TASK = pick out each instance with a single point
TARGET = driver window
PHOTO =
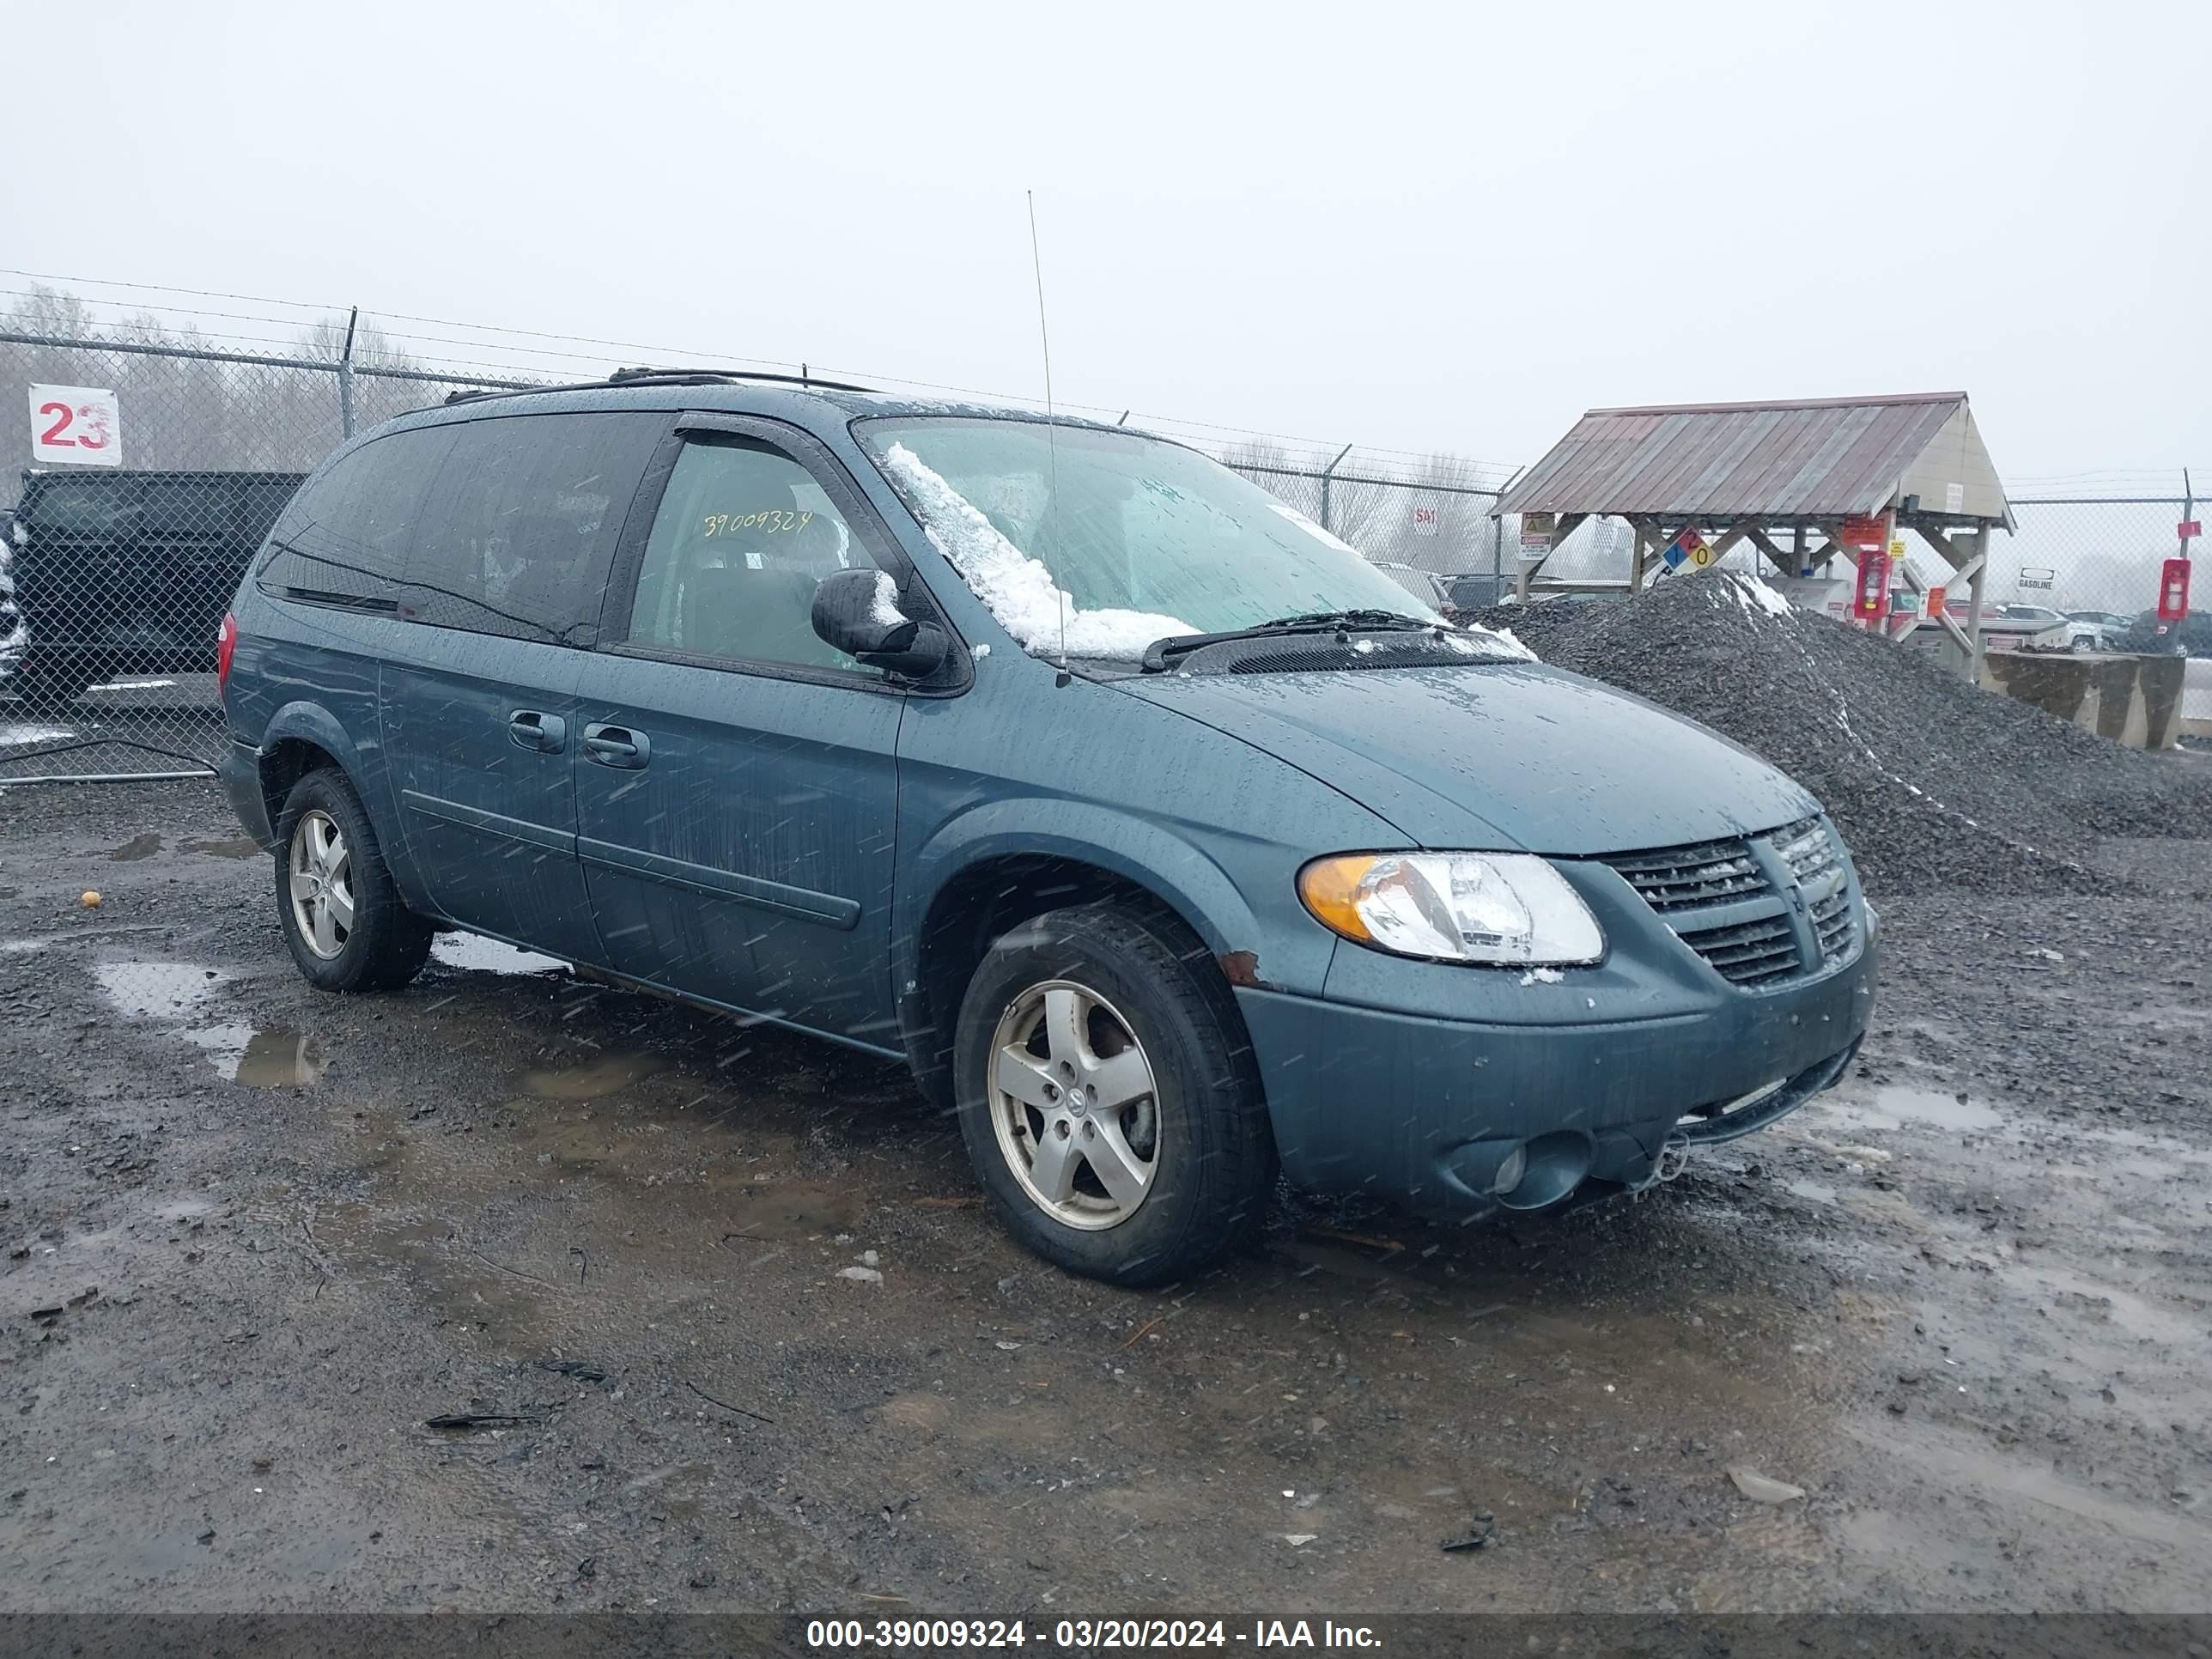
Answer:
(743, 537)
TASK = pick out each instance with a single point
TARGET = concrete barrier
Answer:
(2196, 698)
(2132, 700)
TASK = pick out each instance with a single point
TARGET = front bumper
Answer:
(1422, 1110)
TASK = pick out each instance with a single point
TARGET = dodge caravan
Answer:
(1173, 846)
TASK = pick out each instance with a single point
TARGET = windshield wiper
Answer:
(1312, 621)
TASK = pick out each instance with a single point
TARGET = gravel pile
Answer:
(1934, 781)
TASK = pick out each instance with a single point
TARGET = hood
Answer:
(1497, 758)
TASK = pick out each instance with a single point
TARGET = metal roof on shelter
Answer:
(1820, 457)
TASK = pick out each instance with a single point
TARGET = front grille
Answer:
(1737, 902)
(1684, 877)
(1832, 921)
(1749, 952)
(1808, 850)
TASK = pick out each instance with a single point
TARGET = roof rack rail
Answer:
(658, 377)
(715, 376)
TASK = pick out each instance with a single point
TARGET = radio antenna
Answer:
(1051, 447)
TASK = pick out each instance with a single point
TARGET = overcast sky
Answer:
(1439, 227)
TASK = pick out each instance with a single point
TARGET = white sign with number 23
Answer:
(80, 425)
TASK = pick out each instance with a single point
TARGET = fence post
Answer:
(1325, 477)
(345, 377)
(2188, 508)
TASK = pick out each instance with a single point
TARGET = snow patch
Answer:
(884, 610)
(488, 956)
(1510, 643)
(1018, 589)
(132, 685)
(1750, 594)
(1542, 976)
(17, 732)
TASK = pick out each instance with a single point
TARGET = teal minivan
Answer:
(1172, 845)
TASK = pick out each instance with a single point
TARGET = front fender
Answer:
(1174, 869)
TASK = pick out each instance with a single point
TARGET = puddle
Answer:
(184, 1209)
(488, 956)
(139, 847)
(790, 1213)
(278, 1058)
(430, 1254)
(236, 847)
(2105, 1302)
(157, 990)
(1896, 1104)
(2154, 1158)
(594, 1079)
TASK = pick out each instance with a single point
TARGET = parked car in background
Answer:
(14, 636)
(1171, 843)
(2025, 628)
(2190, 637)
(129, 572)
(1478, 592)
(1428, 589)
(2098, 630)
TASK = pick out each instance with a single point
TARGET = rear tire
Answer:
(340, 913)
(50, 684)
(1108, 1096)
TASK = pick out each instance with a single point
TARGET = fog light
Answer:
(1510, 1172)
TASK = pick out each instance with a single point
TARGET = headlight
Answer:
(1455, 906)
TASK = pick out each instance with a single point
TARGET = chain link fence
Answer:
(114, 576)
(115, 571)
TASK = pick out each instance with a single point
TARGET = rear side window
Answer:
(345, 537)
(85, 506)
(518, 533)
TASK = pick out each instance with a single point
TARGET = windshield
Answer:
(1123, 539)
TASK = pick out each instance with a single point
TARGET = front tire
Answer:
(340, 913)
(1108, 1096)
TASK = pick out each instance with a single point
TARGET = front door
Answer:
(737, 783)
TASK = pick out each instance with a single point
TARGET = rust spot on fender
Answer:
(1241, 967)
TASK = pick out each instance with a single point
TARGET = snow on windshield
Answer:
(1020, 591)
(1315, 529)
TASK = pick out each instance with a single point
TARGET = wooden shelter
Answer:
(1804, 483)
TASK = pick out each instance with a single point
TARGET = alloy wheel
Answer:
(1075, 1105)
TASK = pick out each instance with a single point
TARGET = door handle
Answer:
(528, 729)
(618, 746)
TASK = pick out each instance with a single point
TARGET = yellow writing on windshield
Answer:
(771, 520)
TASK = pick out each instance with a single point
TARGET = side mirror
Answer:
(857, 612)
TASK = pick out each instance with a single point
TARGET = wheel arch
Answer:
(998, 867)
(301, 738)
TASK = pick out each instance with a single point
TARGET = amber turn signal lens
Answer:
(1330, 888)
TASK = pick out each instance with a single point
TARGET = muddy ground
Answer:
(256, 1236)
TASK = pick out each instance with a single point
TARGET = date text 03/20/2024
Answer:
(833, 1634)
